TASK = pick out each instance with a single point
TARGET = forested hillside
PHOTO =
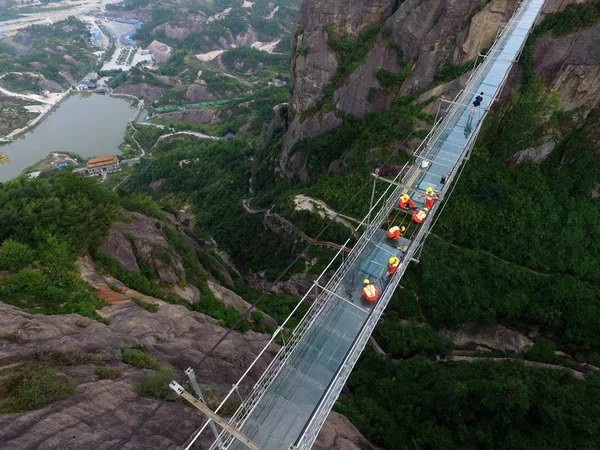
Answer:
(516, 244)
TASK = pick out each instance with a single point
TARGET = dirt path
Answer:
(498, 258)
(306, 203)
(185, 133)
(539, 365)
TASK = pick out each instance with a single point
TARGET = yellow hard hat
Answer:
(402, 228)
(425, 209)
(429, 190)
(366, 281)
(392, 260)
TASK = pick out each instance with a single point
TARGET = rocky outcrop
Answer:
(143, 90)
(172, 32)
(151, 248)
(534, 154)
(198, 92)
(473, 336)
(353, 97)
(294, 164)
(50, 85)
(422, 35)
(483, 29)
(193, 116)
(104, 412)
(339, 434)
(159, 51)
(232, 300)
(571, 66)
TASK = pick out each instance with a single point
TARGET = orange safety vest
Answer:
(370, 292)
(394, 233)
(419, 216)
(392, 267)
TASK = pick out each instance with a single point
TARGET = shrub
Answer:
(137, 358)
(157, 384)
(108, 372)
(32, 387)
(14, 255)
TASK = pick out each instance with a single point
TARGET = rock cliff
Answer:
(104, 411)
(415, 41)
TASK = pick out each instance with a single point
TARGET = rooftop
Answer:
(102, 161)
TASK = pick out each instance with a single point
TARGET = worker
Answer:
(370, 292)
(395, 232)
(406, 201)
(393, 264)
(430, 197)
(419, 216)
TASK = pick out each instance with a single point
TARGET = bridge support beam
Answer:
(179, 390)
(192, 377)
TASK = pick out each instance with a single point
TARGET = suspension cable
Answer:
(147, 417)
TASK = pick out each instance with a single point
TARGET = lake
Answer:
(91, 125)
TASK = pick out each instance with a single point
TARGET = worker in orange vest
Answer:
(395, 232)
(406, 201)
(419, 216)
(393, 264)
(430, 197)
(370, 292)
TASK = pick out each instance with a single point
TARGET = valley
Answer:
(260, 127)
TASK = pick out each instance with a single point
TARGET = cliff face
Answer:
(416, 39)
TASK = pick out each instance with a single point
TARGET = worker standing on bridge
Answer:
(419, 216)
(430, 197)
(395, 232)
(370, 292)
(406, 201)
(393, 264)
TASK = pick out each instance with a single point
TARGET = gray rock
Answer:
(142, 90)
(104, 412)
(534, 154)
(571, 66)
(339, 434)
(192, 116)
(198, 93)
(353, 96)
(498, 337)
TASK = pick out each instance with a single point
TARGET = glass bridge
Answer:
(289, 404)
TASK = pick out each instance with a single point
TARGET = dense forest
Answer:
(420, 403)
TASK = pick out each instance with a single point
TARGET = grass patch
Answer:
(9, 336)
(157, 384)
(137, 358)
(108, 372)
(32, 387)
(69, 357)
(150, 307)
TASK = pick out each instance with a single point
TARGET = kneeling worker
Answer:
(395, 232)
(370, 292)
(420, 216)
(406, 201)
(393, 264)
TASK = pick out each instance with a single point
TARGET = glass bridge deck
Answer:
(279, 418)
